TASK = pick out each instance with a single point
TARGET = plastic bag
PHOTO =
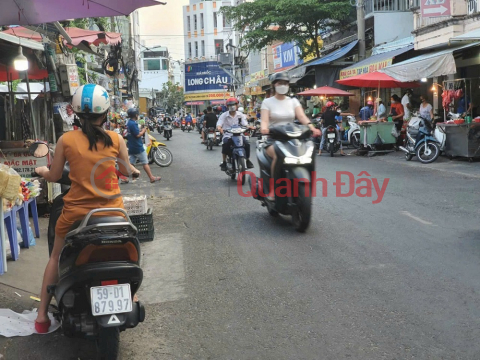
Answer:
(31, 238)
(9, 183)
(378, 140)
(395, 132)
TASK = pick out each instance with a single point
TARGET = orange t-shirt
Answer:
(398, 110)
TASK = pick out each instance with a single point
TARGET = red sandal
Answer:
(42, 328)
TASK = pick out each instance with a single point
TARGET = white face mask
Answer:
(282, 89)
(232, 108)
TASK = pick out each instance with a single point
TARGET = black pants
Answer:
(398, 125)
(227, 150)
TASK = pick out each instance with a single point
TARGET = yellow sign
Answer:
(257, 90)
(208, 96)
(256, 76)
(349, 72)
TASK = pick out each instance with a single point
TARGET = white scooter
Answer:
(352, 135)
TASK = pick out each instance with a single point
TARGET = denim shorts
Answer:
(141, 157)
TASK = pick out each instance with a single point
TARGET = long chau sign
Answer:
(365, 69)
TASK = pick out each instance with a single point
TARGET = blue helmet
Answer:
(132, 112)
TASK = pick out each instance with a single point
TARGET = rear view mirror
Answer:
(38, 149)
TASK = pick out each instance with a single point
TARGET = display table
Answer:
(461, 140)
(370, 130)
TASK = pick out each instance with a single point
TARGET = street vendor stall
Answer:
(377, 131)
(461, 129)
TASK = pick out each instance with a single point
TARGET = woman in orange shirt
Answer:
(92, 154)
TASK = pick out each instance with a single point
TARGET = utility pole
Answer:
(361, 29)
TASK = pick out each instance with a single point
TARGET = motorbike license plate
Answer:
(218, 133)
(331, 136)
(111, 299)
(210, 136)
(247, 138)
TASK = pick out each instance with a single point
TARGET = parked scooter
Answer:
(351, 134)
(291, 181)
(100, 273)
(420, 142)
(236, 162)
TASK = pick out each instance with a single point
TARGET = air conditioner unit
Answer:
(225, 59)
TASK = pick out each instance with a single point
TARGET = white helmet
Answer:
(91, 99)
(241, 109)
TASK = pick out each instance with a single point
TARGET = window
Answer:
(201, 21)
(226, 23)
(164, 64)
(203, 48)
(151, 64)
(218, 46)
(195, 22)
(215, 20)
(190, 50)
(188, 24)
(196, 49)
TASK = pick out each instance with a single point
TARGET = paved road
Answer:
(224, 280)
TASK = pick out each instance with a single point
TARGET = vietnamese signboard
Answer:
(354, 71)
(285, 56)
(205, 76)
(22, 162)
(208, 96)
(434, 8)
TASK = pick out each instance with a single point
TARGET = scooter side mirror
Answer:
(38, 149)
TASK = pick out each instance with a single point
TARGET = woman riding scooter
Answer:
(86, 150)
(281, 109)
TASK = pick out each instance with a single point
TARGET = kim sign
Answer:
(205, 76)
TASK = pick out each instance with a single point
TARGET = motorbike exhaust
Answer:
(404, 149)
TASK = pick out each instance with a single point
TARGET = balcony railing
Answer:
(372, 6)
(473, 6)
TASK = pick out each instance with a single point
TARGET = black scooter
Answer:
(167, 130)
(292, 180)
(99, 274)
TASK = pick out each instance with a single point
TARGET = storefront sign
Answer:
(22, 162)
(434, 8)
(256, 90)
(344, 74)
(191, 103)
(208, 96)
(285, 56)
(205, 76)
(255, 77)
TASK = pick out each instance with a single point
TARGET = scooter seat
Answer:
(99, 220)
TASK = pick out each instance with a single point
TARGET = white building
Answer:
(206, 30)
(155, 68)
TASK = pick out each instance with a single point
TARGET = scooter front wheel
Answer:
(303, 212)
(428, 153)
(162, 156)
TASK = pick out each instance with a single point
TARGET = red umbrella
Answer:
(325, 91)
(376, 79)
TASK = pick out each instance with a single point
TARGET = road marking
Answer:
(163, 269)
(406, 213)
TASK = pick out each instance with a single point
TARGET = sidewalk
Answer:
(457, 166)
(25, 275)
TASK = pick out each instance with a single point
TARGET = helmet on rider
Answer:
(370, 102)
(329, 104)
(132, 112)
(232, 104)
(281, 76)
(91, 99)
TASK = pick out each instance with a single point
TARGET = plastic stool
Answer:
(10, 223)
(32, 203)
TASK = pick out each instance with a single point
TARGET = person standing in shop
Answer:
(407, 104)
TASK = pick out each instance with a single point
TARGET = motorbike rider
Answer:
(85, 150)
(226, 121)
(210, 121)
(188, 119)
(280, 109)
(367, 111)
(330, 119)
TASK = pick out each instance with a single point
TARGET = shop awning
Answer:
(469, 36)
(19, 41)
(76, 34)
(426, 66)
(335, 55)
(373, 63)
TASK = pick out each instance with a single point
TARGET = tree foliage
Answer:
(263, 22)
(171, 97)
